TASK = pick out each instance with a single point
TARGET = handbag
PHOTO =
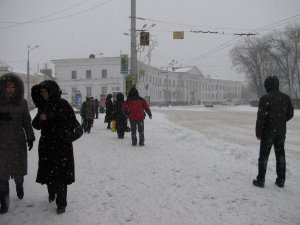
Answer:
(72, 133)
(113, 125)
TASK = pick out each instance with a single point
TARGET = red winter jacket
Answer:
(135, 108)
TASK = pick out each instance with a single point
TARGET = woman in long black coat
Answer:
(15, 131)
(56, 160)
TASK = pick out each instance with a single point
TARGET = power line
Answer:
(39, 19)
(229, 43)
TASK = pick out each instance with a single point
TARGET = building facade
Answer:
(96, 77)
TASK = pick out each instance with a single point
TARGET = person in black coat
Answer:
(109, 110)
(119, 115)
(275, 109)
(56, 160)
(96, 106)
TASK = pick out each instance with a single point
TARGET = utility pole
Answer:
(133, 52)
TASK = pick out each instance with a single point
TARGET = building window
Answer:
(104, 73)
(104, 90)
(74, 75)
(88, 74)
(88, 91)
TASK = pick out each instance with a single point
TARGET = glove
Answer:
(150, 117)
(5, 116)
(30, 145)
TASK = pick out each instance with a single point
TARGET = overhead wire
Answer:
(40, 19)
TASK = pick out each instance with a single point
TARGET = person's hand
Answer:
(30, 145)
(5, 116)
(43, 116)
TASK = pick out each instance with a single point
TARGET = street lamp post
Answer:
(28, 72)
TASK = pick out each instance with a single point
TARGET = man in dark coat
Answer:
(96, 106)
(109, 110)
(275, 109)
(87, 112)
(136, 106)
(56, 160)
(120, 116)
(15, 131)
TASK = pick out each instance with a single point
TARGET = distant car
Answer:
(209, 104)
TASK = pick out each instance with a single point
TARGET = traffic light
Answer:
(144, 38)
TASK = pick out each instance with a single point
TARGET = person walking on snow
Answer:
(274, 110)
(15, 130)
(56, 159)
(136, 106)
(119, 115)
(87, 113)
(109, 110)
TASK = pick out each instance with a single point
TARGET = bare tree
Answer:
(252, 57)
(285, 52)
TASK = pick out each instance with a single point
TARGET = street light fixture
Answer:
(28, 72)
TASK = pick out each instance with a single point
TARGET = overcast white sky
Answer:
(77, 28)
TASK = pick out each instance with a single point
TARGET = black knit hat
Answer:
(271, 83)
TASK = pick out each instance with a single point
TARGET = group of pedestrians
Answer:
(55, 116)
(134, 109)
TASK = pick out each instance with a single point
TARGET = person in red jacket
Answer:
(135, 107)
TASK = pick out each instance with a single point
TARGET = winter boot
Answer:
(258, 183)
(61, 210)
(20, 191)
(279, 183)
(4, 204)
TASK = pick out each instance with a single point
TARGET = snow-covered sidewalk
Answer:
(180, 177)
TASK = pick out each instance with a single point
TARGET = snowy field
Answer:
(196, 168)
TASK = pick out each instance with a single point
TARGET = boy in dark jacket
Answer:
(120, 116)
(275, 109)
(136, 106)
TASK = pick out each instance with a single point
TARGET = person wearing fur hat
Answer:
(56, 159)
(274, 110)
(135, 106)
(16, 130)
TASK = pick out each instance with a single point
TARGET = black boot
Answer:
(279, 183)
(61, 210)
(4, 204)
(20, 191)
(51, 197)
(258, 183)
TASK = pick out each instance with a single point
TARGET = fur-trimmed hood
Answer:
(19, 92)
(53, 91)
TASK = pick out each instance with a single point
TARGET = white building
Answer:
(97, 77)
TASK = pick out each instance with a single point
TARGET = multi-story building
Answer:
(97, 77)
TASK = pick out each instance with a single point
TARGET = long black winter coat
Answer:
(275, 109)
(56, 160)
(14, 133)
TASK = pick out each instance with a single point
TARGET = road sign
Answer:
(144, 38)
(178, 35)
(124, 64)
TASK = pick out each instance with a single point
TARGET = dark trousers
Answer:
(4, 190)
(61, 193)
(121, 127)
(264, 152)
(137, 125)
(87, 124)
